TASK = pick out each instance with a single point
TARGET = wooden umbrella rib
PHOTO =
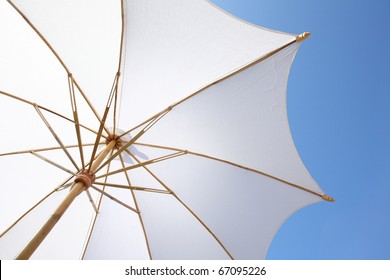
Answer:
(115, 111)
(121, 48)
(64, 187)
(160, 147)
(120, 70)
(52, 163)
(76, 117)
(98, 136)
(114, 199)
(234, 164)
(79, 140)
(56, 137)
(91, 200)
(140, 164)
(113, 91)
(258, 172)
(187, 207)
(115, 103)
(22, 100)
(43, 150)
(132, 188)
(40, 35)
(138, 209)
(102, 124)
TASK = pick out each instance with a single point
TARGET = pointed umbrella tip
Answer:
(303, 36)
(328, 198)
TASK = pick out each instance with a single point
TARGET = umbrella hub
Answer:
(85, 177)
(117, 139)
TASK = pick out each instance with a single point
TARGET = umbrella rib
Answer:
(115, 199)
(44, 108)
(140, 164)
(323, 196)
(187, 207)
(121, 49)
(40, 35)
(115, 90)
(76, 117)
(63, 187)
(139, 212)
(121, 66)
(43, 150)
(52, 163)
(132, 188)
(115, 103)
(102, 124)
(91, 200)
(56, 137)
(36, 205)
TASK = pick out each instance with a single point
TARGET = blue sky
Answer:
(339, 109)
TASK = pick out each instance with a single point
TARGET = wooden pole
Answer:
(77, 189)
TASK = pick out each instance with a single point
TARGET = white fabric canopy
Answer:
(213, 171)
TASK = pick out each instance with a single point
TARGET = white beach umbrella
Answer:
(157, 129)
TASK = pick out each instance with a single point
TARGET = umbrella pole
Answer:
(80, 185)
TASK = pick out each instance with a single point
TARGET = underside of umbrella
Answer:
(145, 130)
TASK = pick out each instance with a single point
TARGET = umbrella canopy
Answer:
(167, 120)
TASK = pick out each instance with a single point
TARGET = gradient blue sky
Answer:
(339, 112)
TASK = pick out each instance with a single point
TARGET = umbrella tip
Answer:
(328, 198)
(302, 37)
